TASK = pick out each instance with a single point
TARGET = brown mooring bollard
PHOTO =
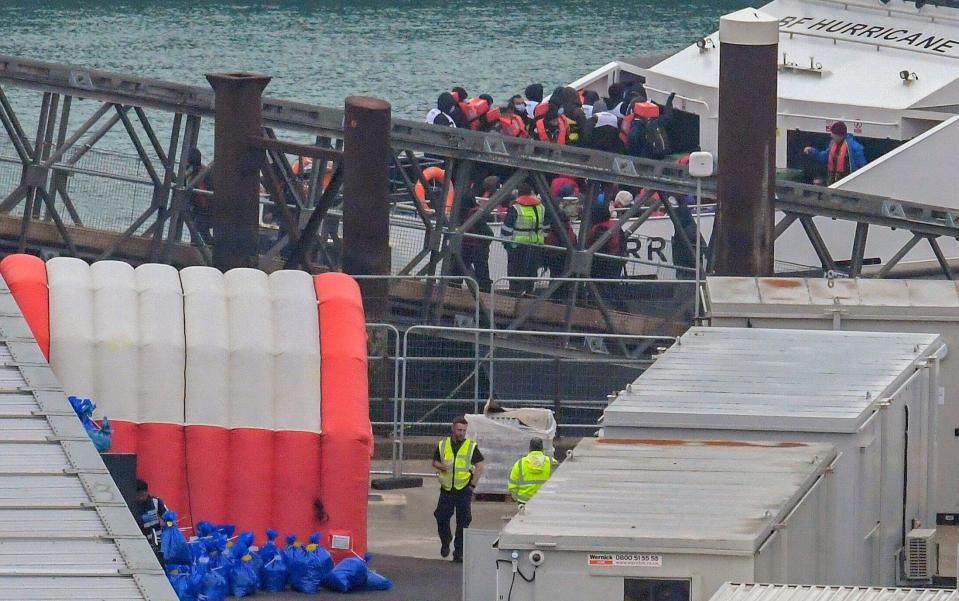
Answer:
(236, 168)
(745, 217)
(366, 204)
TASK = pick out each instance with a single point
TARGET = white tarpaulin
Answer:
(504, 437)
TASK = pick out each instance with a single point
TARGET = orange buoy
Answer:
(431, 175)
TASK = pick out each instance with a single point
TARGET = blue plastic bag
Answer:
(273, 572)
(348, 575)
(173, 546)
(293, 554)
(244, 581)
(219, 559)
(100, 435)
(181, 579)
(377, 582)
(209, 584)
(311, 568)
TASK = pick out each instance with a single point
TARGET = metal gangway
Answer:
(57, 180)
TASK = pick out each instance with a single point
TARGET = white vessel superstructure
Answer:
(890, 70)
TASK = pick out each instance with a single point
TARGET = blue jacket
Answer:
(857, 156)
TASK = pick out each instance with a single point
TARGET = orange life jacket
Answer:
(837, 165)
(646, 110)
(513, 125)
(540, 110)
(544, 136)
(473, 109)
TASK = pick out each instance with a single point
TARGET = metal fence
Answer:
(437, 373)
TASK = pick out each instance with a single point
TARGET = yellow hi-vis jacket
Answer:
(528, 475)
(460, 470)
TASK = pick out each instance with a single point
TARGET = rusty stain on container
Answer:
(782, 283)
(236, 167)
(366, 205)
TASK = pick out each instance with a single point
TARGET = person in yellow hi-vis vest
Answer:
(459, 465)
(530, 472)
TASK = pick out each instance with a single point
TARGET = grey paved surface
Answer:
(405, 548)
(413, 579)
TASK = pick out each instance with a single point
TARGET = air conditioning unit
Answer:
(921, 559)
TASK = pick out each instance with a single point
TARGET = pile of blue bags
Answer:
(100, 435)
(211, 566)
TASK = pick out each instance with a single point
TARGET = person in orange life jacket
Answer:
(843, 155)
(519, 108)
(459, 465)
(443, 113)
(479, 122)
(648, 135)
(201, 205)
(526, 223)
(552, 127)
(508, 122)
(474, 252)
(606, 268)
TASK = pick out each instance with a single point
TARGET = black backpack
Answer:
(657, 140)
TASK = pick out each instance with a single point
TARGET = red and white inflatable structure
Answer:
(244, 395)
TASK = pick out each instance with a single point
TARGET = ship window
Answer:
(655, 589)
(808, 170)
(684, 132)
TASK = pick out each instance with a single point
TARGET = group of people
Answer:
(535, 239)
(459, 466)
(625, 121)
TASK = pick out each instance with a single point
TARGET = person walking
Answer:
(843, 155)
(525, 223)
(459, 465)
(474, 252)
(530, 473)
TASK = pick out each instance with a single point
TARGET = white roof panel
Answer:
(765, 379)
(65, 531)
(617, 495)
(860, 49)
(789, 592)
(927, 299)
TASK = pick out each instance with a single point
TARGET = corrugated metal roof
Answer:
(718, 496)
(730, 296)
(765, 379)
(787, 592)
(65, 531)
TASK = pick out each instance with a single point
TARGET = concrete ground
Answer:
(402, 539)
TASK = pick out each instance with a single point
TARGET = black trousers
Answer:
(450, 502)
(476, 259)
(523, 261)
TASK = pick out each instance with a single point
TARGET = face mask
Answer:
(520, 108)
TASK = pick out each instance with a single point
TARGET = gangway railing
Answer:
(463, 153)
